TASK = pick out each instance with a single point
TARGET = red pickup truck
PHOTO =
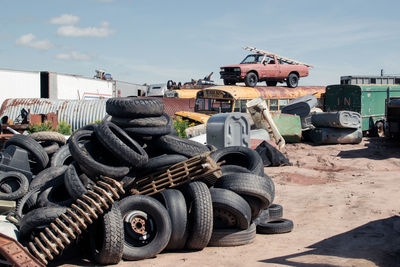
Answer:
(264, 67)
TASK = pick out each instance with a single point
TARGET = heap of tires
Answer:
(135, 139)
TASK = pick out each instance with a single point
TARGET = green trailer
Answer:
(368, 100)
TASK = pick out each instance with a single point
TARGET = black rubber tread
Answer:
(247, 184)
(175, 203)
(162, 162)
(248, 79)
(86, 160)
(89, 127)
(132, 107)
(22, 203)
(292, 80)
(73, 183)
(61, 157)
(161, 219)
(271, 184)
(118, 142)
(278, 226)
(263, 216)
(148, 131)
(242, 156)
(34, 149)
(141, 122)
(107, 237)
(232, 203)
(51, 148)
(177, 145)
(255, 205)
(49, 136)
(229, 169)
(37, 218)
(20, 179)
(55, 195)
(232, 237)
(200, 213)
(275, 211)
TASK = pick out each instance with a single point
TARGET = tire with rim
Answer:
(147, 227)
(20, 179)
(175, 203)
(199, 202)
(229, 209)
(35, 151)
(176, 145)
(107, 237)
(118, 142)
(278, 226)
(135, 107)
(232, 237)
(83, 155)
(251, 79)
(292, 80)
(242, 156)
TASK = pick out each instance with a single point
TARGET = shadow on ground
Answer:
(377, 241)
(376, 148)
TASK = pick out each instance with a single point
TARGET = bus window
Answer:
(237, 106)
(282, 103)
(273, 104)
(243, 106)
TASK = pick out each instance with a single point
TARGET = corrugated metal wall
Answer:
(78, 113)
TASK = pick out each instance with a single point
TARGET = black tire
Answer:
(247, 184)
(272, 186)
(22, 204)
(255, 204)
(56, 195)
(232, 237)
(176, 145)
(148, 131)
(38, 218)
(107, 237)
(278, 226)
(263, 216)
(118, 142)
(73, 183)
(229, 82)
(61, 157)
(175, 203)
(292, 80)
(230, 210)
(229, 169)
(83, 155)
(242, 156)
(251, 79)
(141, 122)
(17, 177)
(35, 151)
(49, 136)
(149, 215)
(159, 163)
(200, 213)
(50, 147)
(132, 107)
(271, 83)
(275, 211)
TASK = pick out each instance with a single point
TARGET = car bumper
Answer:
(231, 75)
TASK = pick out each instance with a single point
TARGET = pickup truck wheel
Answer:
(292, 80)
(251, 79)
(271, 83)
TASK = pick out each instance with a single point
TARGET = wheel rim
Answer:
(139, 228)
(224, 218)
(293, 80)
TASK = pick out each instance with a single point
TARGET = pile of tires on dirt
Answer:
(136, 139)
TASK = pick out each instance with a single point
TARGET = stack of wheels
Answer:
(243, 199)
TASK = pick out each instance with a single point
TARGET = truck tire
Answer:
(251, 79)
(107, 237)
(118, 142)
(199, 202)
(35, 151)
(144, 214)
(49, 136)
(177, 145)
(232, 237)
(292, 80)
(229, 209)
(133, 107)
(278, 226)
(20, 179)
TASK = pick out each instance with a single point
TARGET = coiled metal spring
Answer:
(54, 238)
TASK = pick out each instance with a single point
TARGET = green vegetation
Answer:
(180, 126)
(63, 127)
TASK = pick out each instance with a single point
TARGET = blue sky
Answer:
(155, 41)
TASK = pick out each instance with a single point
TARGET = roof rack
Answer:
(281, 58)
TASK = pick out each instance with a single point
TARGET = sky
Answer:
(156, 41)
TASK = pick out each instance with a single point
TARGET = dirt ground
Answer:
(344, 201)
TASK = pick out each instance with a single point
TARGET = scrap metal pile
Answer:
(128, 188)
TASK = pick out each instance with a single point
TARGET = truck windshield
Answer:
(252, 59)
(213, 105)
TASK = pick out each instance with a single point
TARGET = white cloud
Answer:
(74, 55)
(29, 40)
(65, 19)
(73, 31)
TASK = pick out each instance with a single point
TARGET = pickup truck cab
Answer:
(262, 67)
